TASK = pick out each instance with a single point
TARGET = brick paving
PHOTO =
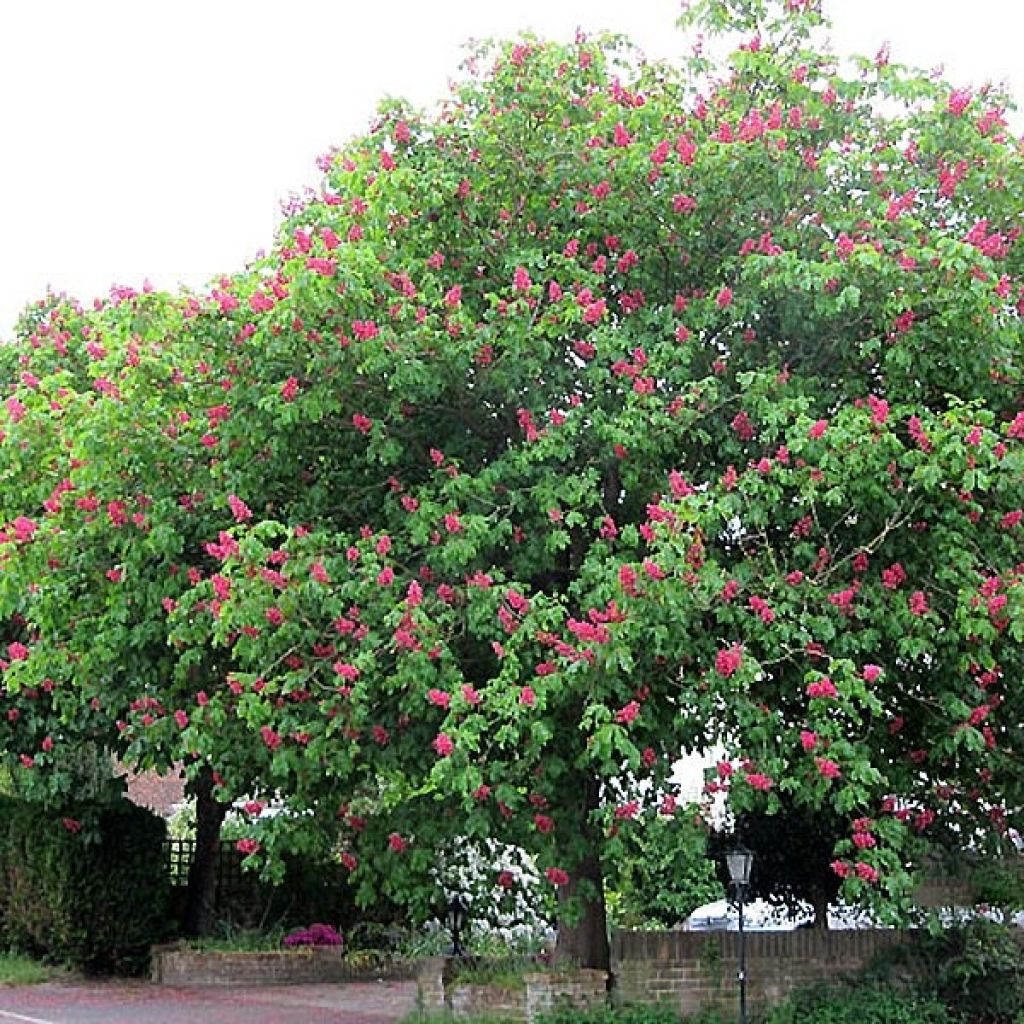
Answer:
(119, 1002)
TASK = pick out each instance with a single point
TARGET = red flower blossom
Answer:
(893, 577)
(239, 509)
(866, 872)
(959, 100)
(17, 651)
(728, 660)
(627, 580)
(742, 427)
(823, 687)
(627, 714)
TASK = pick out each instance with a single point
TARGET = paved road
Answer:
(119, 1002)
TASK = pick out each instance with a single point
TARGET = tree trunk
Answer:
(819, 904)
(201, 893)
(583, 940)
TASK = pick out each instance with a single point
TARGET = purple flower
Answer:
(314, 935)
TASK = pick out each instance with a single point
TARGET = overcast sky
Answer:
(156, 138)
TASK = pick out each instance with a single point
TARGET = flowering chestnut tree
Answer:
(111, 500)
(614, 411)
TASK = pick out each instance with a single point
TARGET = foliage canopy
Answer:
(613, 411)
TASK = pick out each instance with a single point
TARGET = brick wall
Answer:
(467, 1000)
(184, 968)
(440, 989)
(580, 987)
(696, 970)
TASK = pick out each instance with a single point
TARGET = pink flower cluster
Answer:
(728, 660)
(314, 935)
(823, 687)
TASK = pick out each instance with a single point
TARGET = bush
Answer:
(16, 969)
(631, 1013)
(226, 937)
(314, 935)
(86, 887)
(974, 969)
(862, 1003)
(664, 872)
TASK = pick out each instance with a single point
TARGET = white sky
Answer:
(155, 138)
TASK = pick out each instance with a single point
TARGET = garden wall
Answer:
(178, 967)
(440, 990)
(698, 970)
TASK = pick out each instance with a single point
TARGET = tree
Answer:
(103, 440)
(616, 410)
(665, 871)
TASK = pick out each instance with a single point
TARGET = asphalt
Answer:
(120, 1002)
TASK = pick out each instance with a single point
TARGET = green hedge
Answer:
(95, 898)
(859, 1003)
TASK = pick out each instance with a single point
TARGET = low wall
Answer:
(440, 989)
(698, 970)
(179, 967)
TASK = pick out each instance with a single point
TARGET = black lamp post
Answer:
(739, 861)
(456, 916)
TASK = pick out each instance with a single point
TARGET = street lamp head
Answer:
(457, 914)
(739, 860)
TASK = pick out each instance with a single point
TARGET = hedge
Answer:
(86, 886)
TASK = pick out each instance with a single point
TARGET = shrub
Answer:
(500, 971)
(314, 935)
(631, 1013)
(227, 937)
(16, 969)
(86, 887)
(664, 872)
(861, 1003)
(974, 969)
